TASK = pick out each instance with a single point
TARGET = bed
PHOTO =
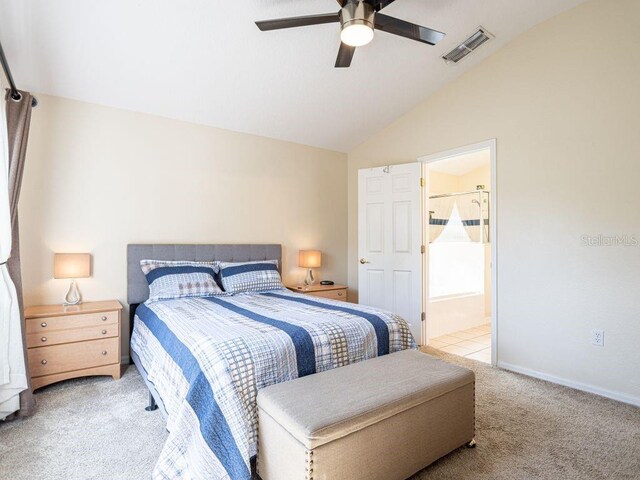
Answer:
(205, 358)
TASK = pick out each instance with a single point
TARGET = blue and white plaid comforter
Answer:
(209, 356)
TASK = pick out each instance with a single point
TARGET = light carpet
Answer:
(96, 428)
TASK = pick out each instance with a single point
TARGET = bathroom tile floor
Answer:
(474, 343)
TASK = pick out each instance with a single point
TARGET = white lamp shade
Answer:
(71, 265)
(356, 35)
(309, 258)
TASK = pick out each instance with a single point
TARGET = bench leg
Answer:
(152, 404)
(471, 443)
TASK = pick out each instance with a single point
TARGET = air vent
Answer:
(479, 37)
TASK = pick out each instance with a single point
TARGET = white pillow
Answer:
(177, 279)
(250, 276)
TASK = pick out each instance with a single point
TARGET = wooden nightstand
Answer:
(335, 292)
(73, 341)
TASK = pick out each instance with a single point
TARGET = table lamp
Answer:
(309, 259)
(73, 266)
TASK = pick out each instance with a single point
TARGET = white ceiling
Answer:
(205, 61)
(462, 164)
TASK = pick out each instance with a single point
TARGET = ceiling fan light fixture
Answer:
(356, 19)
(356, 34)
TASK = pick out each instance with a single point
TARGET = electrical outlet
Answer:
(597, 338)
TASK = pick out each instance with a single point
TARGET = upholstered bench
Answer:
(384, 418)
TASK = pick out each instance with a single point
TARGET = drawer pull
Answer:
(43, 324)
(44, 362)
(104, 332)
(104, 318)
(43, 339)
(104, 352)
(340, 294)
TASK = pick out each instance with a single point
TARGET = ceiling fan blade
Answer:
(408, 30)
(292, 22)
(380, 4)
(345, 55)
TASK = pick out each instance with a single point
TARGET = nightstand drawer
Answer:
(56, 337)
(65, 322)
(73, 356)
(333, 294)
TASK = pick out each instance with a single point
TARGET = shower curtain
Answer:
(473, 208)
(439, 215)
(470, 214)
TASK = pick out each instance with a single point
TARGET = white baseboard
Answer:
(621, 397)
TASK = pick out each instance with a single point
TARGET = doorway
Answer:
(459, 278)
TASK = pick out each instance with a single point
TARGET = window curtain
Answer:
(16, 395)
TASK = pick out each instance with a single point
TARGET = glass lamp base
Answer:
(73, 296)
(309, 280)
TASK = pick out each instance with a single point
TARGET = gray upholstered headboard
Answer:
(137, 288)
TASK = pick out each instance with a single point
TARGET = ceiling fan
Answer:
(358, 19)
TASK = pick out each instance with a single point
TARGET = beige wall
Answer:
(440, 183)
(563, 102)
(479, 176)
(98, 178)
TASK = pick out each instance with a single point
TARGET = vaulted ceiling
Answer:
(204, 61)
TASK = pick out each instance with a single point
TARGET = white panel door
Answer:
(390, 240)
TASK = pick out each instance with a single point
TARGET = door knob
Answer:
(363, 261)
